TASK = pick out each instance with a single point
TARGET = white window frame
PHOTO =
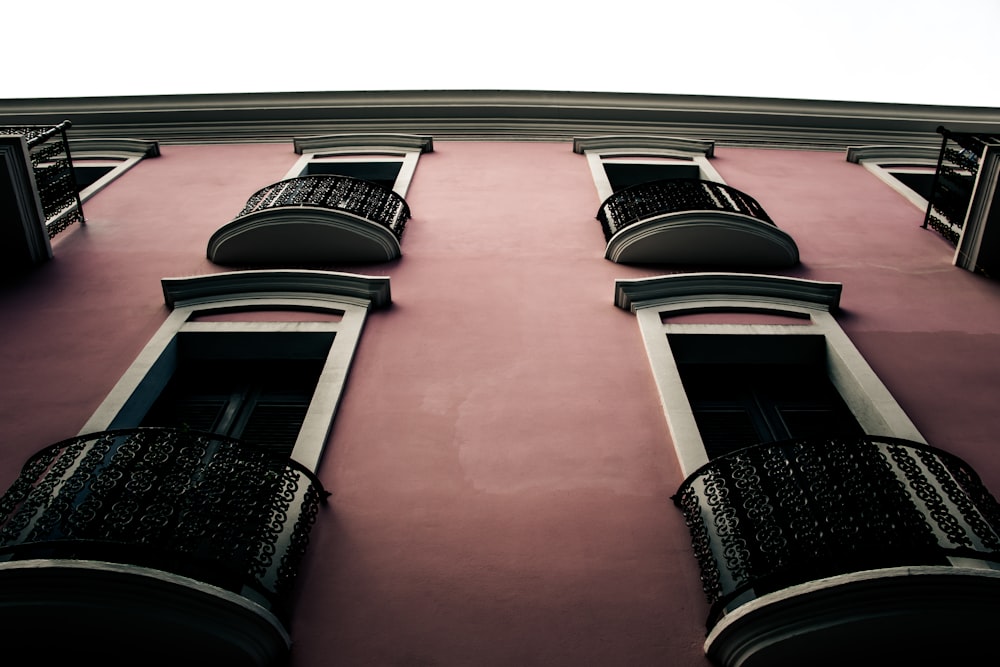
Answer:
(651, 299)
(349, 295)
(884, 161)
(643, 150)
(121, 154)
(357, 148)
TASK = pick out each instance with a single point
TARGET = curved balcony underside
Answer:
(68, 611)
(170, 537)
(302, 235)
(843, 548)
(317, 219)
(694, 222)
(703, 238)
(940, 615)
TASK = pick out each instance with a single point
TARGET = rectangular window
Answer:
(745, 390)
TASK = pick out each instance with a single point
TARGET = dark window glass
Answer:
(622, 175)
(262, 402)
(736, 405)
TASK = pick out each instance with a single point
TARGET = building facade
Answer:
(481, 378)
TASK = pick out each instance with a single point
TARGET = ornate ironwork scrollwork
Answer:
(340, 193)
(55, 181)
(778, 514)
(954, 182)
(647, 200)
(194, 504)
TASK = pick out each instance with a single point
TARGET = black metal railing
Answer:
(194, 504)
(339, 193)
(776, 515)
(52, 164)
(676, 195)
(954, 181)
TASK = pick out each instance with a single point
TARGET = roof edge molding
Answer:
(367, 142)
(857, 154)
(635, 293)
(502, 115)
(680, 146)
(232, 285)
(703, 237)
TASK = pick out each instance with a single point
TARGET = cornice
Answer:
(364, 143)
(114, 147)
(329, 285)
(675, 145)
(501, 115)
(635, 293)
(858, 154)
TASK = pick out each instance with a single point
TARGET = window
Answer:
(387, 159)
(98, 162)
(342, 202)
(743, 356)
(909, 170)
(954, 185)
(617, 162)
(662, 202)
(748, 389)
(258, 355)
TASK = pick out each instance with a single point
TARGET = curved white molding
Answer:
(327, 286)
(672, 146)
(300, 235)
(904, 615)
(113, 147)
(635, 293)
(703, 238)
(364, 143)
(56, 610)
(923, 154)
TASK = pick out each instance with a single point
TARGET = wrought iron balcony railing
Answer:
(52, 164)
(340, 193)
(647, 200)
(954, 181)
(776, 515)
(313, 220)
(191, 504)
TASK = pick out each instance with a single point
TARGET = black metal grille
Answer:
(340, 193)
(775, 515)
(954, 181)
(194, 504)
(52, 164)
(648, 200)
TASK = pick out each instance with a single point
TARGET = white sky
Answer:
(911, 51)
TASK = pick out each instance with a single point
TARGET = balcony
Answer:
(38, 194)
(823, 552)
(693, 222)
(314, 220)
(185, 544)
(964, 201)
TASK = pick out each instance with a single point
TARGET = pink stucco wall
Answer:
(500, 468)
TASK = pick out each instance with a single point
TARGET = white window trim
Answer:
(405, 148)
(123, 154)
(881, 160)
(346, 294)
(649, 298)
(644, 150)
